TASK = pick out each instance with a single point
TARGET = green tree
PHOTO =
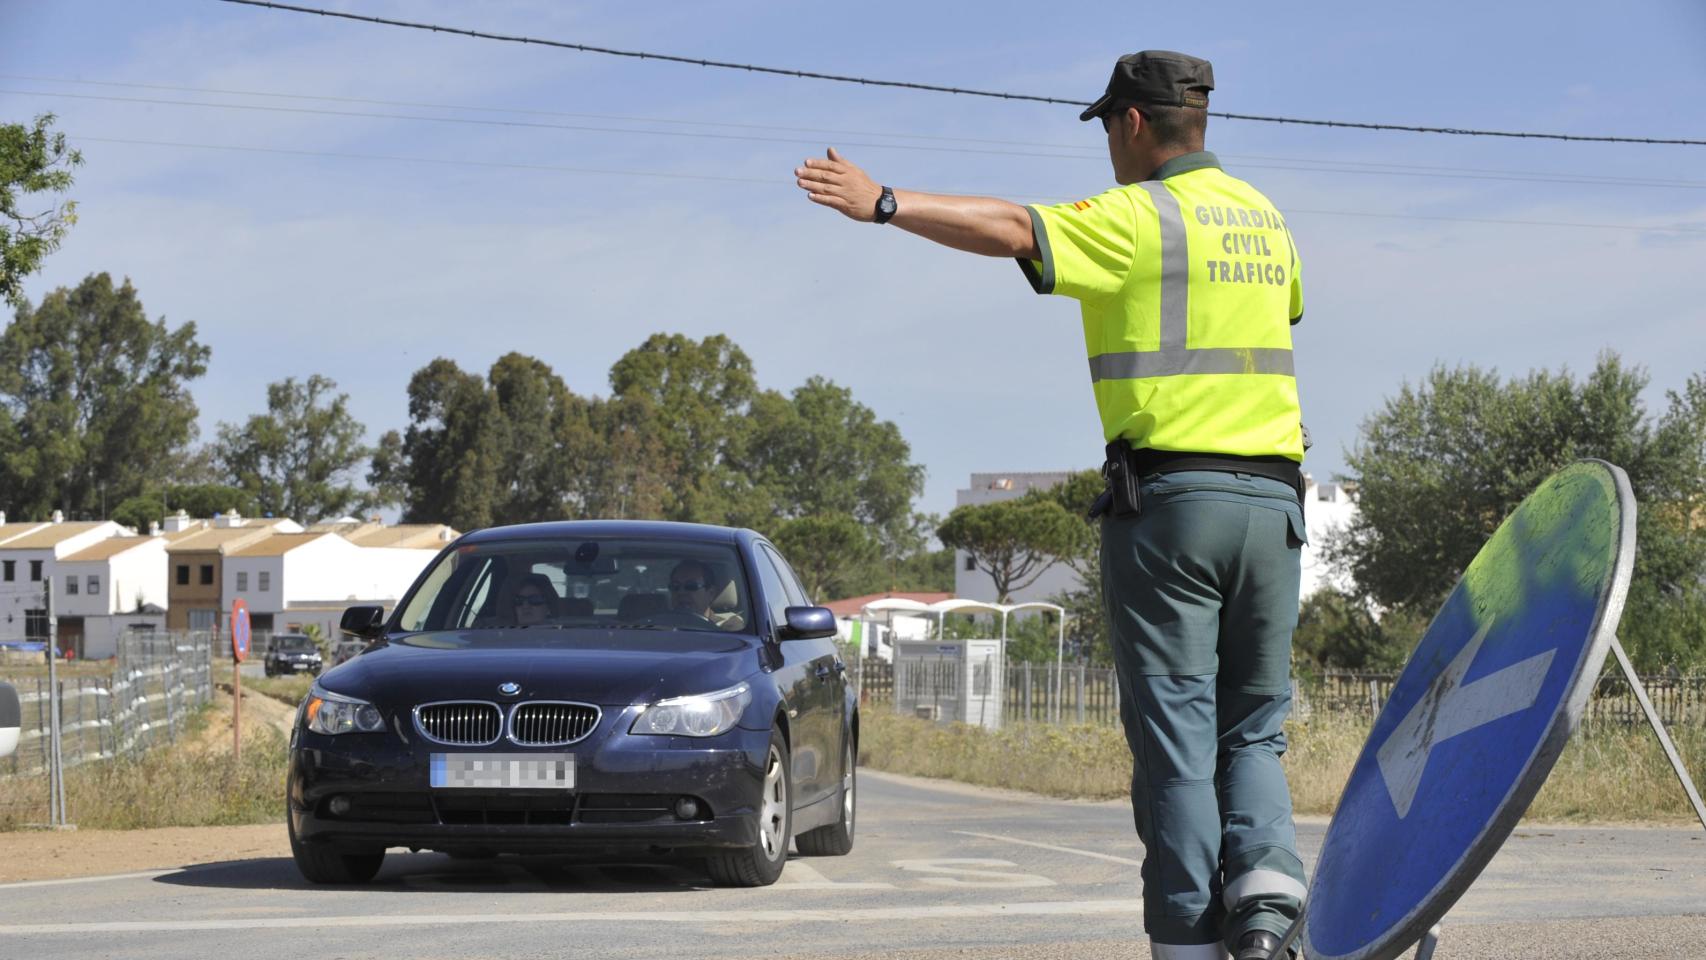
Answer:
(684, 405)
(1443, 462)
(300, 458)
(1013, 541)
(820, 452)
(94, 399)
(442, 467)
(197, 500)
(514, 447)
(32, 160)
(1337, 631)
(827, 551)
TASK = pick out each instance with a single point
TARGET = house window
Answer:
(35, 624)
(183, 574)
(35, 571)
(71, 584)
(971, 562)
(242, 581)
(207, 574)
(10, 570)
(266, 580)
(94, 584)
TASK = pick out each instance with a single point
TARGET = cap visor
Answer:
(1096, 109)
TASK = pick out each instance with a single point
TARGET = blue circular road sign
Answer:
(1478, 717)
(240, 630)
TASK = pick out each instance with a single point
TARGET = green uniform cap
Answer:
(1159, 77)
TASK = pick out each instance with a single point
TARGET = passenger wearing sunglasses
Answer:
(534, 600)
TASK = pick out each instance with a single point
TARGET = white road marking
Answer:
(800, 875)
(1049, 846)
(970, 872)
(711, 917)
(1449, 709)
(100, 879)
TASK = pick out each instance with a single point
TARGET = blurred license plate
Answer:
(504, 771)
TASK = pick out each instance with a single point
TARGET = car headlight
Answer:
(332, 713)
(705, 715)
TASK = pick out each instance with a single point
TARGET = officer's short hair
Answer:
(1182, 127)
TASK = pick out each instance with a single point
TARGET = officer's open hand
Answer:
(840, 185)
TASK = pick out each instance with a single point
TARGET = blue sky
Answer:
(669, 203)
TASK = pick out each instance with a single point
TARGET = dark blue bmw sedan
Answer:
(606, 688)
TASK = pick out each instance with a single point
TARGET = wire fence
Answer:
(1089, 694)
(154, 684)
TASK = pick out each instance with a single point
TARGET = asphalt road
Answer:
(939, 870)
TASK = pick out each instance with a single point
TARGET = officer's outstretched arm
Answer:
(994, 228)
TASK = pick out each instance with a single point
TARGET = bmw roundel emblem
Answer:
(509, 689)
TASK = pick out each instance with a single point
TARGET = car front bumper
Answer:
(622, 801)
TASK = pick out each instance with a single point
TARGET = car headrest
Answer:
(637, 605)
(727, 600)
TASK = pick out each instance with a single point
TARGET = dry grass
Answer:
(292, 689)
(1607, 774)
(191, 783)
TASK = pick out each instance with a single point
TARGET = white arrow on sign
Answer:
(1450, 708)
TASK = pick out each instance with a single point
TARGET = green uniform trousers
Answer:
(1201, 589)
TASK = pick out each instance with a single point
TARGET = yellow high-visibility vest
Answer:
(1189, 285)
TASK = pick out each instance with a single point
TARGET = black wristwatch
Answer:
(885, 207)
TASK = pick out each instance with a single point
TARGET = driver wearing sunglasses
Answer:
(534, 600)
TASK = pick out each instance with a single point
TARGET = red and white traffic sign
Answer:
(239, 630)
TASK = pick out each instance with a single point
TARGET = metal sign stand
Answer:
(56, 817)
(1659, 729)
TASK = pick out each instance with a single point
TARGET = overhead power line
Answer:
(1682, 229)
(1312, 164)
(935, 88)
(1259, 163)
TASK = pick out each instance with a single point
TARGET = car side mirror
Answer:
(11, 719)
(365, 622)
(807, 623)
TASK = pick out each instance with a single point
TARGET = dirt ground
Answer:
(55, 855)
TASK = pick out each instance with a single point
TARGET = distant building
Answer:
(195, 556)
(110, 589)
(31, 556)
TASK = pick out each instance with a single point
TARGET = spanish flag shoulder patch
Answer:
(1081, 205)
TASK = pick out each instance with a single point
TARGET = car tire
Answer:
(836, 840)
(326, 863)
(760, 864)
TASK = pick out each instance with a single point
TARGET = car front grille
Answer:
(551, 724)
(462, 723)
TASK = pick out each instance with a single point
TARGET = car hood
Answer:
(611, 668)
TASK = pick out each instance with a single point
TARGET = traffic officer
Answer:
(1188, 283)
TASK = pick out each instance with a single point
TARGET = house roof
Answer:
(11, 530)
(420, 535)
(213, 538)
(106, 549)
(851, 606)
(52, 534)
(277, 545)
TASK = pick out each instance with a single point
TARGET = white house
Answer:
(30, 557)
(291, 580)
(111, 588)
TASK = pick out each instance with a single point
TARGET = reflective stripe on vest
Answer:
(1174, 358)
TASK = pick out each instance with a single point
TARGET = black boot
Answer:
(1256, 945)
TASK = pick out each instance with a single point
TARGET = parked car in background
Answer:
(293, 653)
(600, 688)
(345, 649)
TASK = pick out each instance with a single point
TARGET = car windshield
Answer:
(579, 582)
(293, 644)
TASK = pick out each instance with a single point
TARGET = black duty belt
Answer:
(1126, 467)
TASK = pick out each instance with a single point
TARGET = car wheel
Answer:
(836, 839)
(325, 863)
(760, 864)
